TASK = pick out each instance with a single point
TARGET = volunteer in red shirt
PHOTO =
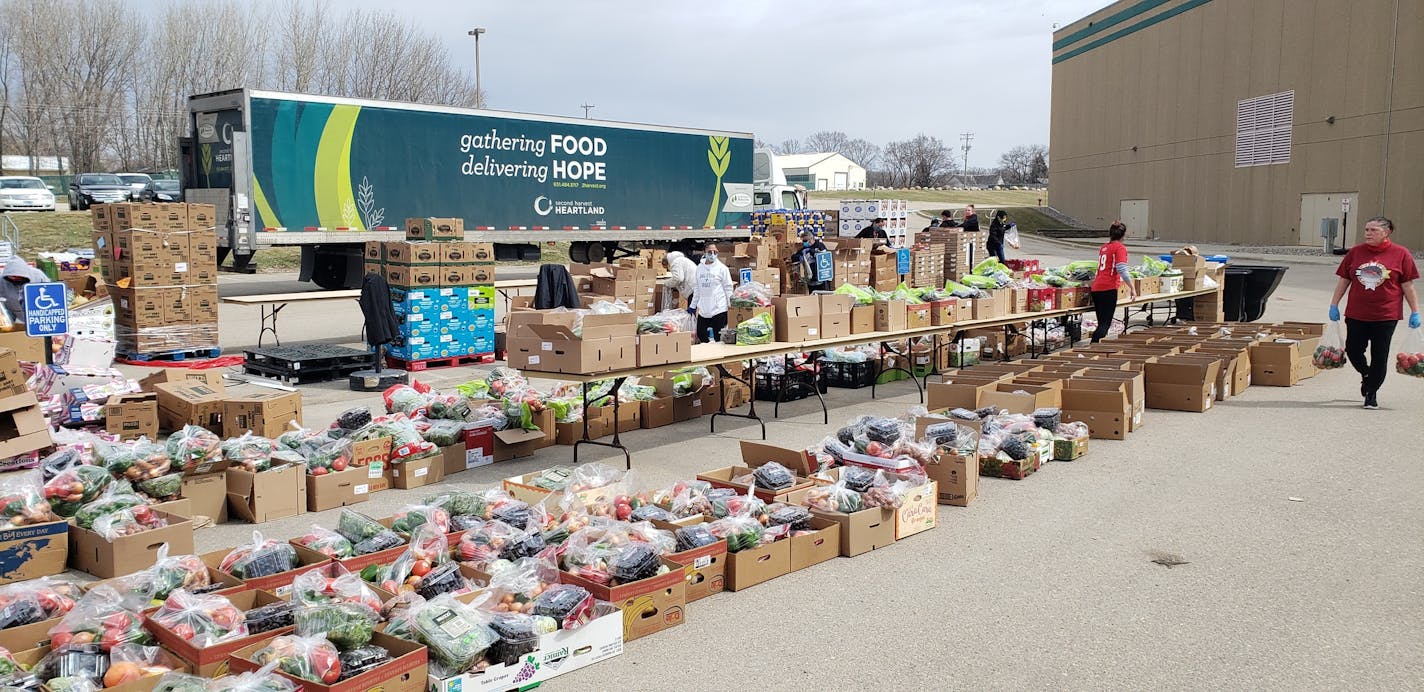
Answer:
(1112, 268)
(1378, 274)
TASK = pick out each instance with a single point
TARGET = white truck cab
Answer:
(769, 188)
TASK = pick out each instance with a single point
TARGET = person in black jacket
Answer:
(997, 227)
(876, 229)
(971, 220)
(805, 260)
(946, 219)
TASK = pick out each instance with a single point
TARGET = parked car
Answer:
(96, 188)
(25, 193)
(161, 191)
(136, 182)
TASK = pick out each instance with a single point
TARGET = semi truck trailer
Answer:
(327, 174)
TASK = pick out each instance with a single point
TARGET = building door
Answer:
(1316, 209)
(842, 181)
(1133, 212)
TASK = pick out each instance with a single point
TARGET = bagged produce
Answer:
(262, 557)
(457, 502)
(1330, 354)
(1410, 359)
(396, 614)
(250, 452)
(346, 625)
(357, 661)
(479, 547)
(330, 457)
(36, 600)
(128, 522)
(270, 617)
(837, 497)
(692, 537)
(333, 584)
(133, 461)
(795, 516)
(102, 616)
(756, 331)
(634, 562)
(429, 548)
(311, 658)
(180, 682)
(75, 486)
(444, 433)
(22, 500)
(410, 517)
(366, 534)
(751, 294)
(193, 446)
(773, 476)
(129, 663)
(568, 605)
(260, 680)
(327, 542)
(456, 634)
(201, 620)
(667, 322)
(163, 488)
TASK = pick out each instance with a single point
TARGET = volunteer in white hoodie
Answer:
(13, 277)
(712, 296)
(682, 275)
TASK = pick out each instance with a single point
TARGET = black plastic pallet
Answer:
(308, 357)
(175, 355)
(304, 376)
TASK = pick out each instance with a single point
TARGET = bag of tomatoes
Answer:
(1410, 359)
(105, 617)
(327, 542)
(37, 600)
(333, 584)
(193, 447)
(202, 620)
(411, 517)
(132, 662)
(429, 548)
(75, 486)
(1330, 354)
(312, 658)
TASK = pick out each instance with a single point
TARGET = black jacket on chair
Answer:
(555, 289)
(381, 325)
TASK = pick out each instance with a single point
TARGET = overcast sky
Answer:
(880, 71)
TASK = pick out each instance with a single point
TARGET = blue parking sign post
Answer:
(902, 261)
(746, 276)
(46, 313)
(825, 267)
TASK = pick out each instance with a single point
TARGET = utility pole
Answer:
(480, 92)
(966, 138)
(586, 108)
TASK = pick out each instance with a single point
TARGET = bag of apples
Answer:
(1410, 359)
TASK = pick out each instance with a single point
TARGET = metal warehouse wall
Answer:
(1144, 107)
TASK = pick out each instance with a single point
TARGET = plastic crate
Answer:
(799, 386)
(848, 375)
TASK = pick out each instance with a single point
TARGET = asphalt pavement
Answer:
(1294, 514)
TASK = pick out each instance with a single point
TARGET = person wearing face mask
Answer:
(712, 295)
(1379, 275)
(13, 277)
(805, 260)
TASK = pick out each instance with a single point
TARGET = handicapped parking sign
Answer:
(46, 309)
(746, 276)
(825, 267)
(902, 261)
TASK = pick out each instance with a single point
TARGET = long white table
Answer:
(717, 355)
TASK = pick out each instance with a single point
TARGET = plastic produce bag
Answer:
(134, 461)
(327, 542)
(411, 517)
(180, 682)
(347, 625)
(366, 534)
(263, 557)
(22, 500)
(396, 614)
(270, 617)
(751, 295)
(260, 680)
(37, 600)
(102, 616)
(429, 548)
(794, 516)
(71, 488)
(250, 452)
(1410, 359)
(309, 658)
(456, 634)
(667, 322)
(357, 661)
(695, 536)
(756, 331)
(202, 620)
(191, 447)
(163, 488)
(1330, 354)
(128, 522)
(444, 433)
(479, 547)
(773, 476)
(333, 584)
(1047, 418)
(837, 497)
(569, 605)
(742, 532)
(861, 296)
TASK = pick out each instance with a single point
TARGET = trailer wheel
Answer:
(578, 252)
(329, 272)
(598, 252)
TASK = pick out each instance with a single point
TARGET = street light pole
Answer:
(478, 89)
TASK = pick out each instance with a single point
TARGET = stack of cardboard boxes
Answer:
(884, 274)
(635, 285)
(927, 264)
(159, 262)
(589, 344)
(442, 290)
(852, 261)
(855, 215)
(961, 249)
(1197, 274)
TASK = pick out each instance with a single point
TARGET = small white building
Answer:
(15, 164)
(827, 171)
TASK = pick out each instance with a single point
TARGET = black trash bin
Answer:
(1233, 294)
(1261, 280)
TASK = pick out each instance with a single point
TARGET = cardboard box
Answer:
(1069, 449)
(797, 318)
(1017, 397)
(408, 672)
(180, 376)
(755, 454)
(862, 319)
(208, 495)
(1133, 383)
(705, 568)
(89, 552)
(649, 605)
(863, 531)
(608, 343)
(918, 316)
(723, 478)
(956, 477)
(337, 489)
(1276, 363)
(31, 552)
(891, 316)
(419, 472)
(512, 444)
(918, 512)
(412, 276)
(27, 349)
(212, 661)
(664, 349)
(190, 404)
(277, 493)
(736, 316)
(23, 426)
(963, 391)
(821, 545)
(412, 253)
(656, 413)
(266, 414)
(559, 652)
(1103, 405)
(1179, 385)
(748, 568)
(434, 229)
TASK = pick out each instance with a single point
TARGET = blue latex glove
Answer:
(1413, 320)
(1334, 313)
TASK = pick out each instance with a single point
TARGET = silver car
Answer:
(25, 193)
(136, 182)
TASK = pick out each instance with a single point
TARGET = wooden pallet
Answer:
(447, 362)
(175, 355)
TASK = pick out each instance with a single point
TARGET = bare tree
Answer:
(1024, 164)
(6, 75)
(789, 146)
(826, 141)
(861, 152)
(922, 161)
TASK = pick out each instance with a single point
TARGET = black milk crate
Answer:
(800, 384)
(848, 375)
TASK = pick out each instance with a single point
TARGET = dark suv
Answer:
(96, 188)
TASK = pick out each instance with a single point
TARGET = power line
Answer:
(966, 138)
(586, 108)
